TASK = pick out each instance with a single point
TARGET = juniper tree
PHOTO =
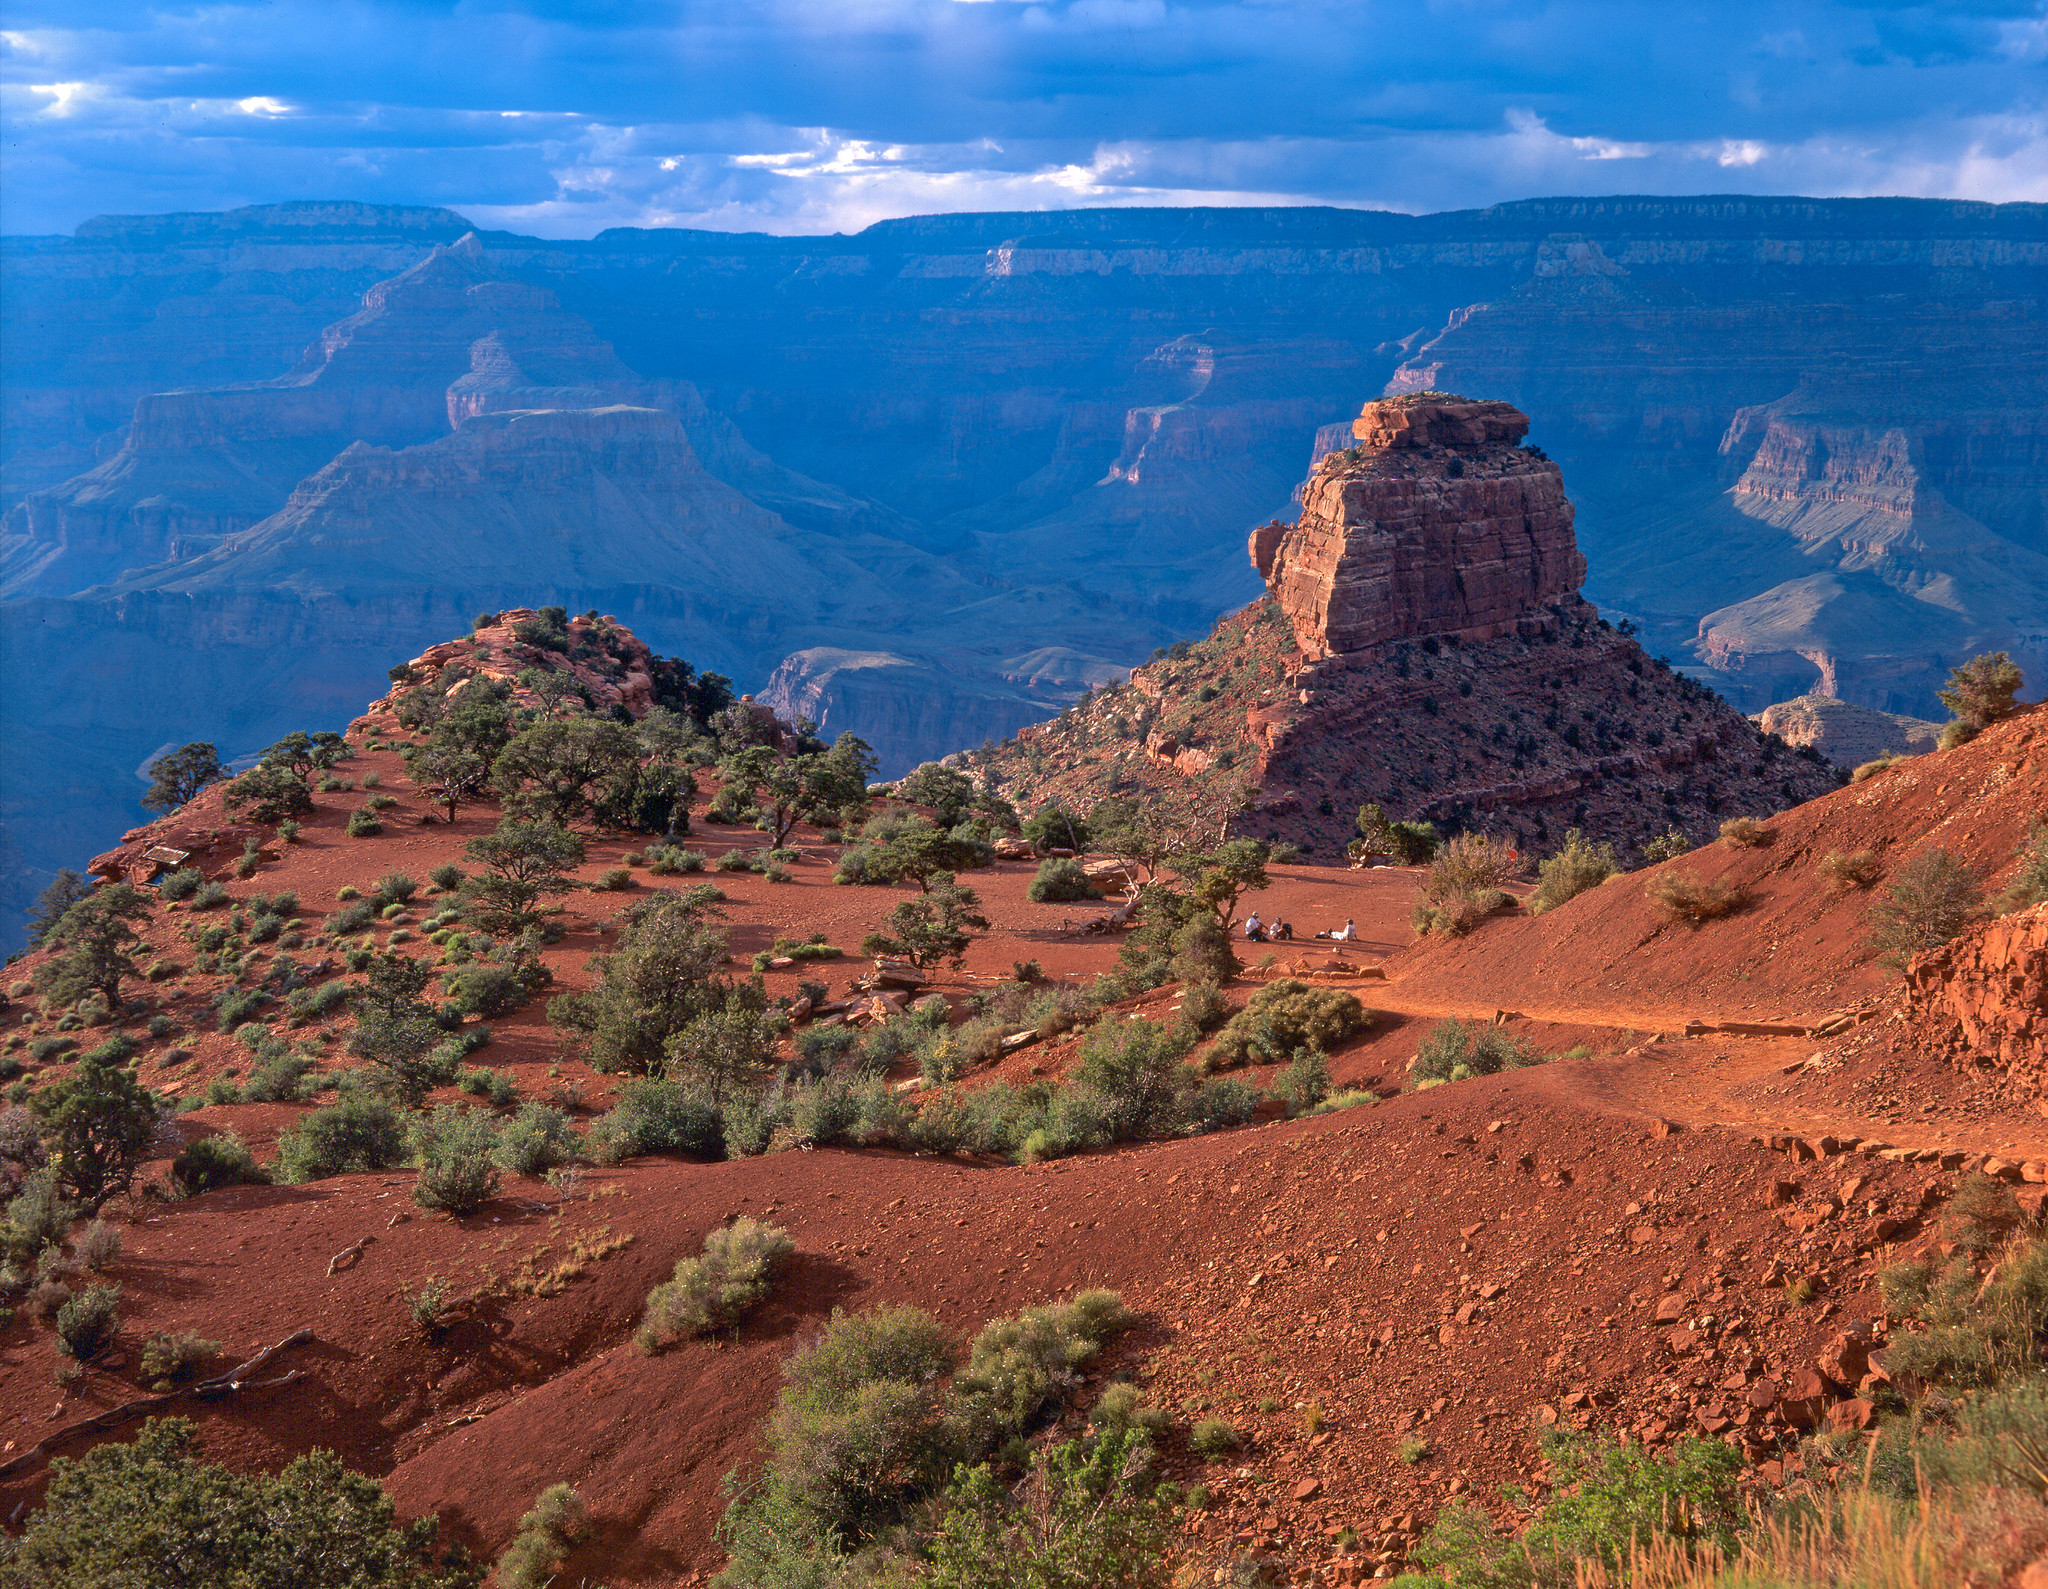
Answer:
(527, 860)
(177, 775)
(97, 1124)
(96, 938)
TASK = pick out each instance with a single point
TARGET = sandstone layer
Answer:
(1847, 735)
(1436, 523)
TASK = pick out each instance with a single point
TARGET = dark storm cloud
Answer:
(804, 114)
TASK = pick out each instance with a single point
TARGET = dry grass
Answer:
(1695, 900)
(1745, 833)
(1859, 1539)
(1846, 869)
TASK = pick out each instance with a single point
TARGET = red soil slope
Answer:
(1602, 1240)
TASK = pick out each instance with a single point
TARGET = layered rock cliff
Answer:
(1079, 414)
(1436, 523)
(1423, 647)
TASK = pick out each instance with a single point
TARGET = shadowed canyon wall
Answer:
(930, 481)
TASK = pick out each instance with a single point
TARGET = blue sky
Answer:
(824, 115)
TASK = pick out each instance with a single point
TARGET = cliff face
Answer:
(1423, 647)
(1436, 523)
(1847, 735)
(1045, 432)
(1849, 499)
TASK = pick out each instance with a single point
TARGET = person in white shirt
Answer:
(1254, 929)
(1346, 933)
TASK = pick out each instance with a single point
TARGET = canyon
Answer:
(933, 480)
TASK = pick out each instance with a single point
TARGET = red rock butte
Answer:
(1437, 523)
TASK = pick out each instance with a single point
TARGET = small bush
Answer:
(447, 877)
(715, 1291)
(1305, 1082)
(616, 880)
(458, 1168)
(363, 823)
(98, 1246)
(1061, 880)
(212, 1162)
(1695, 900)
(655, 1115)
(1213, 1438)
(2029, 884)
(1287, 1015)
(181, 884)
(1846, 869)
(547, 1533)
(1453, 1050)
(1468, 863)
(1577, 866)
(1870, 769)
(665, 860)
(210, 896)
(358, 1133)
(1745, 833)
(536, 1140)
(1411, 1448)
(1667, 846)
(168, 1358)
(86, 1324)
(1933, 896)
(1202, 1006)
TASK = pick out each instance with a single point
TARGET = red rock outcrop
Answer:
(1437, 523)
(1987, 995)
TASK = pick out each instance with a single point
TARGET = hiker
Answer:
(1254, 929)
(1345, 933)
(1283, 932)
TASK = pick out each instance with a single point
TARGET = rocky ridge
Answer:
(1847, 735)
(1423, 647)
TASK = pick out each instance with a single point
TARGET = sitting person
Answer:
(1345, 933)
(1254, 929)
(1283, 932)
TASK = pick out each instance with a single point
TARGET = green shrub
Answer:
(1607, 1502)
(1287, 1015)
(718, 1289)
(1576, 867)
(363, 823)
(547, 1533)
(656, 1115)
(120, 1514)
(1213, 1438)
(86, 1324)
(536, 1140)
(1667, 846)
(360, 1132)
(168, 1359)
(182, 884)
(1305, 1082)
(210, 896)
(1136, 1066)
(447, 877)
(212, 1162)
(1884, 763)
(494, 990)
(2029, 883)
(1452, 1050)
(458, 1167)
(38, 1215)
(1019, 1366)
(1061, 880)
(1933, 896)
